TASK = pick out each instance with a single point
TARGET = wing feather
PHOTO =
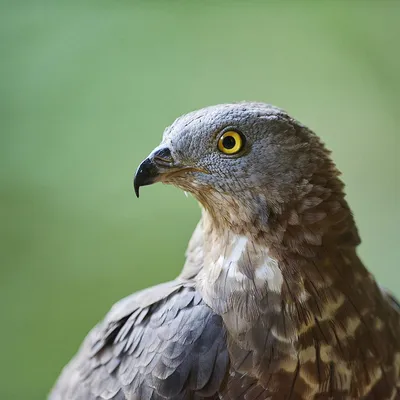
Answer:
(171, 347)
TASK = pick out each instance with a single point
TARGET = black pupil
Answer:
(229, 142)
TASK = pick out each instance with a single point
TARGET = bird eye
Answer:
(230, 142)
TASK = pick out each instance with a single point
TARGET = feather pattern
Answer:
(173, 348)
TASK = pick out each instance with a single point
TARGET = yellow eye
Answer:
(230, 142)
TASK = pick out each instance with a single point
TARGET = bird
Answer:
(272, 302)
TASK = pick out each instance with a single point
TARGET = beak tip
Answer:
(136, 187)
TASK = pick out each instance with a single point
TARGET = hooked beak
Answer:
(158, 163)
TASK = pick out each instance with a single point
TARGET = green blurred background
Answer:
(86, 89)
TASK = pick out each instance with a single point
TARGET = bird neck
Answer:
(293, 254)
(303, 220)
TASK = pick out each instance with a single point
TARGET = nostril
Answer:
(163, 155)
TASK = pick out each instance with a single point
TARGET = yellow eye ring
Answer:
(230, 142)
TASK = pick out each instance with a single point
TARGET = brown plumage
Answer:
(273, 301)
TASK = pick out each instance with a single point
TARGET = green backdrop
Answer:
(86, 89)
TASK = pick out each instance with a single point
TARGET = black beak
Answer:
(157, 163)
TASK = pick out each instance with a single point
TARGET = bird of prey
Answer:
(273, 301)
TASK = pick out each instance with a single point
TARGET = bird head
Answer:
(244, 162)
